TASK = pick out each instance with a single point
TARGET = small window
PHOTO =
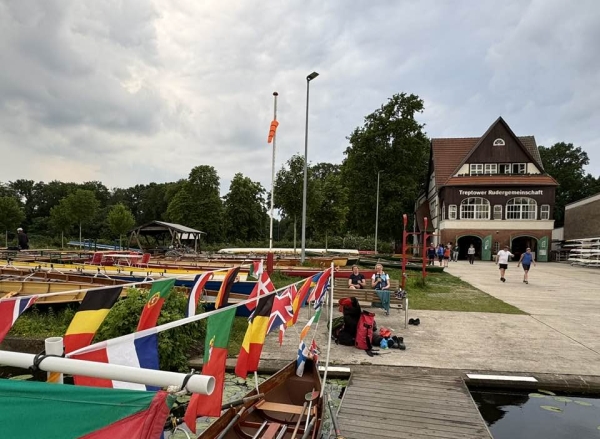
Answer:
(491, 168)
(518, 168)
(499, 142)
(452, 212)
(545, 212)
(476, 169)
(504, 168)
(498, 212)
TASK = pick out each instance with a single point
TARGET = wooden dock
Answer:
(407, 406)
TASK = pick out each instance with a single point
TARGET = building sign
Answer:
(505, 192)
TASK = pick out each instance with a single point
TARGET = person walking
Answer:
(455, 251)
(502, 261)
(431, 254)
(471, 254)
(447, 253)
(440, 253)
(526, 260)
(380, 281)
(22, 239)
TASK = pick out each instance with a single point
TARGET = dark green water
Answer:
(535, 415)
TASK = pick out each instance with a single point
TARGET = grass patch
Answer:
(444, 292)
(43, 323)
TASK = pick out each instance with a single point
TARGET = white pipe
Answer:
(54, 346)
(331, 284)
(201, 384)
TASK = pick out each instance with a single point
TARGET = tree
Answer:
(289, 187)
(60, 220)
(332, 209)
(11, 215)
(244, 209)
(391, 141)
(120, 220)
(197, 203)
(25, 192)
(565, 162)
(81, 207)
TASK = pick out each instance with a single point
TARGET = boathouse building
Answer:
(489, 191)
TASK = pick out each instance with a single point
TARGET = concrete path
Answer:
(561, 334)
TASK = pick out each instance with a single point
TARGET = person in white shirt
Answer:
(502, 261)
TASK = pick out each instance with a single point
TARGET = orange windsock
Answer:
(272, 130)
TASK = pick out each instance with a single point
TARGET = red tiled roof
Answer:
(509, 180)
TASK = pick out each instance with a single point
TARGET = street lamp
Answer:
(309, 78)
(377, 212)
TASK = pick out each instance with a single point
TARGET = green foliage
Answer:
(393, 142)
(41, 322)
(175, 345)
(565, 163)
(332, 208)
(11, 214)
(81, 206)
(245, 213)
(120, 220)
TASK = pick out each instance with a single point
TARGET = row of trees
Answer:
(341, 197)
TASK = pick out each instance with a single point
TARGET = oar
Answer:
(282, 432)
(338, 433)
(241, 401)
(310, 397)
(234, 421)
(260, 429)
(309, 429)
(299, 420)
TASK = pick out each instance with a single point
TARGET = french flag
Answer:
(133, 350)
(10, 310)
(196, 292)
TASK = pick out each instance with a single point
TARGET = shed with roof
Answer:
(158, 236)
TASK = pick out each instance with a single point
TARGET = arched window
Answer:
(475, 208)
(521, 208)
(499, 142)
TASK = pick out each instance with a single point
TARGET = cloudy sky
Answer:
(130, 92)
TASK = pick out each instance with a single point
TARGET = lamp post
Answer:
(377, 212)
(309, 78)
(275, 94)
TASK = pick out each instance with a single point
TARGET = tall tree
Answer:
(25, 192)
(393, 142)
(245, 212)
(60, 220)
(120, 220)
(197, 203)
(332, 209)
(289, 187)
(11, 215)
(81, 206)
(565, 163)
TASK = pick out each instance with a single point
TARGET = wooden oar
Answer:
(309, 429)
(338, 433)
(310, 397)
(260, 429)
(299, 420)
(241, 401)
(234, 421)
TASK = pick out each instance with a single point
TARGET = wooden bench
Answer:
(367, 297)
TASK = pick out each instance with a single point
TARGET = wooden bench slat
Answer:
(279, 407)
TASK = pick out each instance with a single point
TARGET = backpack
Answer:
(364, 331)
(337, 325)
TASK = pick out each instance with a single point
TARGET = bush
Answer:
(175, 346)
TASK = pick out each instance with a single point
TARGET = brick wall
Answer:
(583, 221)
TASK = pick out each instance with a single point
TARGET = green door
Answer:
(486, 248)
(542, 249)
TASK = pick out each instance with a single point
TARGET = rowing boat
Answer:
(284, 404)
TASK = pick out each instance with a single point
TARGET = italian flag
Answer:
(215, 354)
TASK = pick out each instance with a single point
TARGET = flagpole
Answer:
(275, 94)
(331, 286)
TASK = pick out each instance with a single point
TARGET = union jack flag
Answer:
(281, 312)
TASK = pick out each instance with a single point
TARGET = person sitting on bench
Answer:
(356, 281)
(381, 283)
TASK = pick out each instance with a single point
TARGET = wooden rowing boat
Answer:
(283, 405)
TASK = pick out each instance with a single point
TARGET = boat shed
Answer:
(158, 236)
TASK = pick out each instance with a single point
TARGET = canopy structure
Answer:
(158, 236)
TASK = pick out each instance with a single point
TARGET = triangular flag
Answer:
(262, 287)
(159, 292)
(225, 289)
(10, 310)
(196, 292)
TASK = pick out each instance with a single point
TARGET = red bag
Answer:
(385, 332)
(364, 331)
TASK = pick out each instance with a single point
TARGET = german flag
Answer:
(223, 295)
(159, 292)
(255, 337)
(91, 313)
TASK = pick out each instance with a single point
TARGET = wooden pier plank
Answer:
(381, 406)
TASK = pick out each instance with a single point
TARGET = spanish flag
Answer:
(159, 292)
(91, 313)
(255, 337)
(223, 295)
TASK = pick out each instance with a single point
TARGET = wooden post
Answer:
(404, 235)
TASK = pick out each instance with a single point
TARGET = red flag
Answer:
(159, 292)
(317, 292)
(299, 300)
(262, 287)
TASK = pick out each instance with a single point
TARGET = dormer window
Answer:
(499, 142)
(476, 168)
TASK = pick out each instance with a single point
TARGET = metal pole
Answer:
(377, 212)
(275, 94)
(310, 77)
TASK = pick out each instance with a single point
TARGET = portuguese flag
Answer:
(159, 292)
(78, 412)
(91, 313)
(215, 355)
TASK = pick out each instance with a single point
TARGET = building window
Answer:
(521, 208)
(498, 212)
(476, 169)
(504, 168)
(545, 212)
(452, 212)
(475, 208)
(499, 142)
(518, 168)
(491, 168)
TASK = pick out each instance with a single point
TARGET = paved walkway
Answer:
(561, 334)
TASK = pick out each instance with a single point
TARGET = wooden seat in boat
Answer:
(278, 407)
